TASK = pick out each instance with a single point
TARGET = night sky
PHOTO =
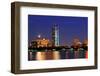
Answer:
(70, 27)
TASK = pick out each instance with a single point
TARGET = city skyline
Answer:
(69, 27)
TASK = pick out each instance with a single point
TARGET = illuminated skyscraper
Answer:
(55, 35)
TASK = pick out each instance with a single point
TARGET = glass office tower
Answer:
(55, 35)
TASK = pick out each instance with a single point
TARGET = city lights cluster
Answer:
(44, 49)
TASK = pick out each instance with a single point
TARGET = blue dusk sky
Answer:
(70, 27)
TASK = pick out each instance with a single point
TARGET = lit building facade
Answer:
(41, 42)
(55, 35)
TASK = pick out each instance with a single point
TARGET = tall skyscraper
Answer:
(55, 35)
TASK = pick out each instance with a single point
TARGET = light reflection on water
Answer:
(40, 56)
(54, 55)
